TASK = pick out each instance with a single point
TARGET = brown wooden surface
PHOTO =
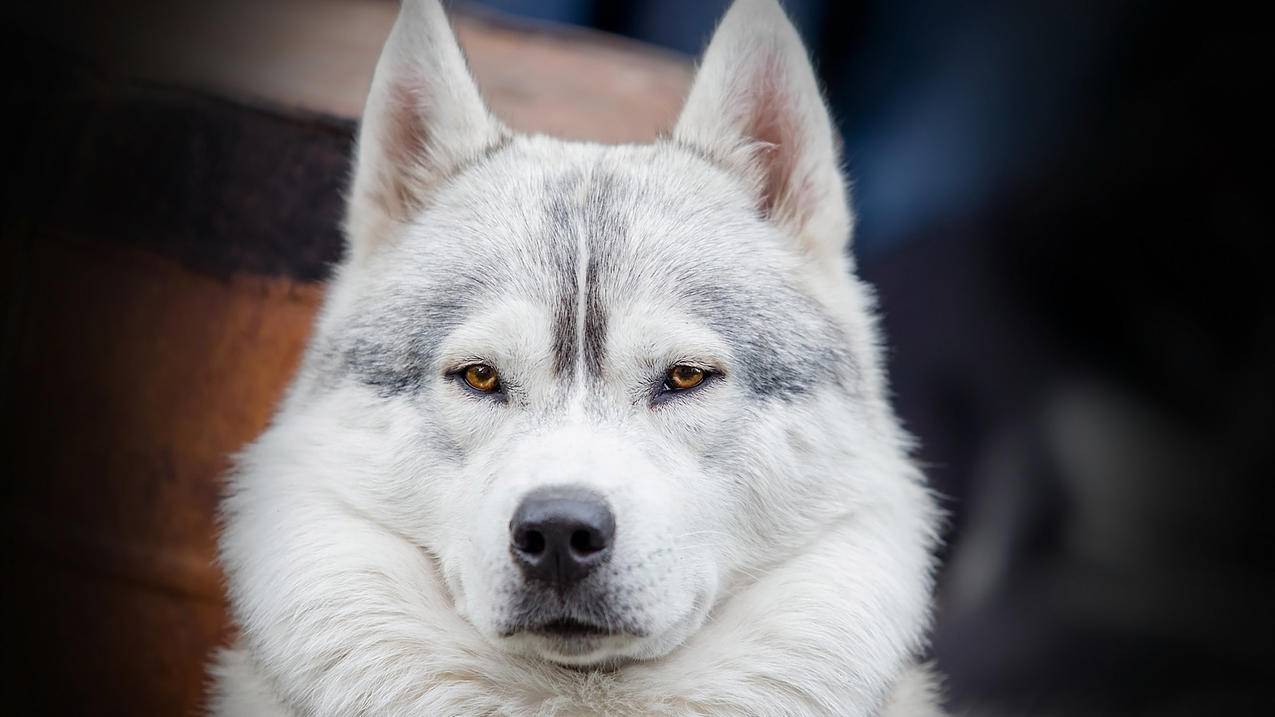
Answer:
(164, 252)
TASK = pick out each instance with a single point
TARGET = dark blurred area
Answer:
(1058, 203)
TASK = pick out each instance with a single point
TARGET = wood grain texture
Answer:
(164, 255)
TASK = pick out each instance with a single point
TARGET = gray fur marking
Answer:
(786, 343)
(577, 211)
(562, 240)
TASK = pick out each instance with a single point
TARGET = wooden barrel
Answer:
(170, 214)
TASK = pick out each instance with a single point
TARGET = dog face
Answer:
(579, 335)
(592, 387)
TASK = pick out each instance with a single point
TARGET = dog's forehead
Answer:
(640, 220)
(594, 236)
(653, 202)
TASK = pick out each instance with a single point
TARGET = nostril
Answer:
(530, 541)
(586, 542)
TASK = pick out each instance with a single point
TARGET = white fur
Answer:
(774, 551)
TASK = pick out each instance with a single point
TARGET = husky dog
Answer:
(586, 429)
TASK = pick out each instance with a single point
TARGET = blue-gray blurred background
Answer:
(1057, 202)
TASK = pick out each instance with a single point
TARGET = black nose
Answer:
(558, 535)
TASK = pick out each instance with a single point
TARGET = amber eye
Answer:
(682, 377)
(482, 377)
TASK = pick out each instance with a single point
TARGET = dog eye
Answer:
(482, 377)
(683, 378)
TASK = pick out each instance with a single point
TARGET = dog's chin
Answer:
(572, 643)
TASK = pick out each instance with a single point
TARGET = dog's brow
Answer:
(786, 343)
(583, 226)
(605, 229)
(562, 246)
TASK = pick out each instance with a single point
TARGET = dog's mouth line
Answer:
(568, 628)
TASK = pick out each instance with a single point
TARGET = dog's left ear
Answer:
(755, 106)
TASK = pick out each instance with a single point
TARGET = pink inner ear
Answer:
(775, 130)
(404, 145)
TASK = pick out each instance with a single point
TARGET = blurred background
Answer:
(1057, 202)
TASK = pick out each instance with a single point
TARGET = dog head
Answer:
(598, 387)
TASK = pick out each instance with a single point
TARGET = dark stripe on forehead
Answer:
(607, 229)
(581, 216)
(563, 248)
(595, 319)
(564, 330)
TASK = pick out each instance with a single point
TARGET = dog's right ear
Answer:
(424, 119)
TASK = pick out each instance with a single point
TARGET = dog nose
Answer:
(558, 535)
